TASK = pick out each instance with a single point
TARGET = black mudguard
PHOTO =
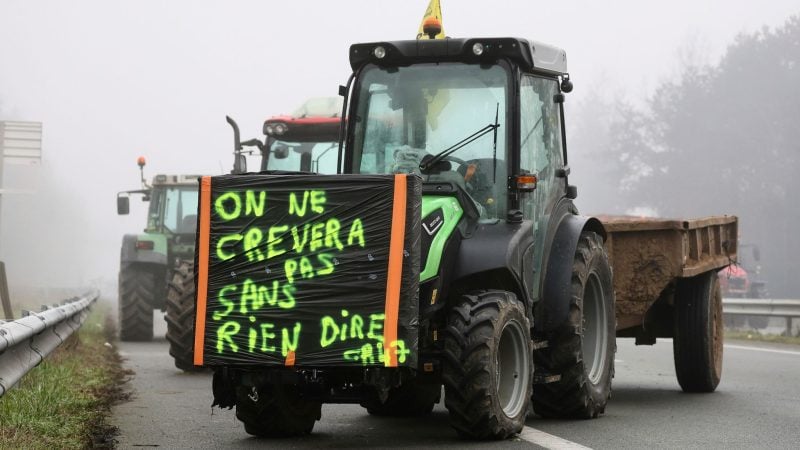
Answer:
(498, 246)
(551, 311)
(129, 253)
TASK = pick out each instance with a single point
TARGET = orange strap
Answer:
(470, 171)
(290, 356)
(395, 271)
(202, 269)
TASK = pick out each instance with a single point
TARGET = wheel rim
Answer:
(513, 374)
(595, 324)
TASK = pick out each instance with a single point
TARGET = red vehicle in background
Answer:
(743, 280)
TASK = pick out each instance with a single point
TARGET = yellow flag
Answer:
(434, 11)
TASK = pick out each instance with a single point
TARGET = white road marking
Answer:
(547, 440)
(761, 349)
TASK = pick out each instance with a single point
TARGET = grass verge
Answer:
(64, 402)
(756, 336)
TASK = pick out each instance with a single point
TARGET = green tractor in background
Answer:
(148, 259)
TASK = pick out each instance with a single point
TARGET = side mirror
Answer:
(281, 152)
(123, 205)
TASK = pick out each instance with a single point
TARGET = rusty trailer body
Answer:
(649, 256)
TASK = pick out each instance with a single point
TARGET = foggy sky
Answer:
(113, 80)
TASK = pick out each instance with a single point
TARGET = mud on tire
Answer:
(574, 371)
(137, 290)
(275, 411)
(180, 316)
(487, 368)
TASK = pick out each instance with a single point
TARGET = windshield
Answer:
(319, 157)
(175, 208)
(405, 114)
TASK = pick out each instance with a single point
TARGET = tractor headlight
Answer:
(379, 52)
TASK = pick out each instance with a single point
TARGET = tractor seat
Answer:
(188, 224)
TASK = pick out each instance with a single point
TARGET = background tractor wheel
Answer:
(137, 290)
(407, 400)
(488, 367)
(574, 371)
(180, 316)
(275, 411)
(697, 345)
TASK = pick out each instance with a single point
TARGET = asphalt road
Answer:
(757, 405)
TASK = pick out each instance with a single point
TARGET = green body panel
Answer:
(159, 242)
(452, 212)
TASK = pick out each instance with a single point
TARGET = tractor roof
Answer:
(175, 180)
(317, 120)
(529, 55)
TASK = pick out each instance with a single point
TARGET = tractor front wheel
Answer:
(411, 398)
(276, 411)
(487, 369)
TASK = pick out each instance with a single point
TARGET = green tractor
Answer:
(515, 299)
(149, 259)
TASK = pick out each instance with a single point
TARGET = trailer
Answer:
(666, 285)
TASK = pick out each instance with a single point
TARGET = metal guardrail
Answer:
(25, 342)
(785, 308)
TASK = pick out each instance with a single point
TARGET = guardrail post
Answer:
(4, 297)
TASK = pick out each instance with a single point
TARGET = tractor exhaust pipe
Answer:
(238, 157)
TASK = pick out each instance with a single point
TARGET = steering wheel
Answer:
(454, 159)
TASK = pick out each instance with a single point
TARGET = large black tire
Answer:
(699, 333)
(137, 290)
(181, 315)
(407, 400)
(487, 370)
(575, 368)
(276, 411)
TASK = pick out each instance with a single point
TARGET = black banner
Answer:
(308, 270)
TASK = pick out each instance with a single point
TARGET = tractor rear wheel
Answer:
(575, 368)
(411, 398)
(276, 411)
(180, 316)
(137, 291)
(487, 370)
(699, 332)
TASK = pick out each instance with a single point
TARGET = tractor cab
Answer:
(479, 116)
(173, 205)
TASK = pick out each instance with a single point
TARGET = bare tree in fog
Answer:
(724, 139)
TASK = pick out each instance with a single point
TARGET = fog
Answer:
(114, 80)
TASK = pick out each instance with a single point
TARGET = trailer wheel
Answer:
(276, 411)
(180, 316)
(487, 365)
(137, 290)
(407, 400)
(699, 332)
(575, 368)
